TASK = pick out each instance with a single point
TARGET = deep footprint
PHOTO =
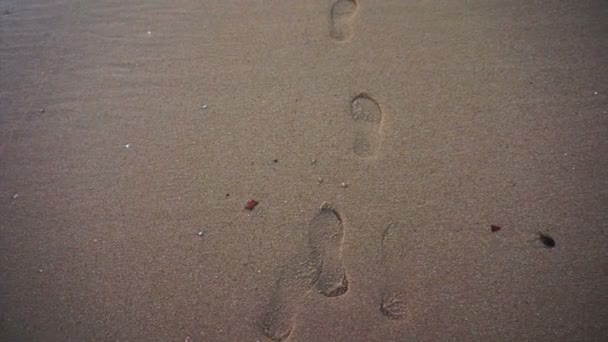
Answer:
(393, 305)
(326, 232)
(294, 283)
(342, 14)
(367, 118)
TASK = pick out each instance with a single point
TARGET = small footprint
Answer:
(342, 14)
(367, 118)
(393, 304)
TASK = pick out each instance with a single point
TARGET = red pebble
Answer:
(494, 228)
(251, 204)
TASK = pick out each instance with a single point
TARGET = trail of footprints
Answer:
(317, 265)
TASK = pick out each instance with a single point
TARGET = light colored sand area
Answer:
(440, 117)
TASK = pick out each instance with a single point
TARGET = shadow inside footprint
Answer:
(342, 14)
(335, 289)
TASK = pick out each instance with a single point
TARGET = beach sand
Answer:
(382, 139)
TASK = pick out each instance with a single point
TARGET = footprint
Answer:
(393, 305)
(294, 283)
(342, 14)
(318, 264)
(326, 232)
(367, 118)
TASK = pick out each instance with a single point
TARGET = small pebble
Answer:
(595, 93)
(15, 196)
(319, 180)
(344, 185)
(547, 240)
(204, 106)
(149, 33)
(200, 234)
(127, 145)
(41, 110)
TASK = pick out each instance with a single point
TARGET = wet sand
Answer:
(129, 127)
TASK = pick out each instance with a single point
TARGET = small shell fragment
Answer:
(251, 204)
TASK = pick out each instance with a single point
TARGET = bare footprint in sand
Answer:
(393, 305)
(367, 121)
(318, 263)
(342, 15)
(325, 242)
(294, 283)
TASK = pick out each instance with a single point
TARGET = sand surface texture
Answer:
(381, 139)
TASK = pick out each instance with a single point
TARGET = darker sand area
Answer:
(382, 139)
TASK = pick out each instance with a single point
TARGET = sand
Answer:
(129, 127)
